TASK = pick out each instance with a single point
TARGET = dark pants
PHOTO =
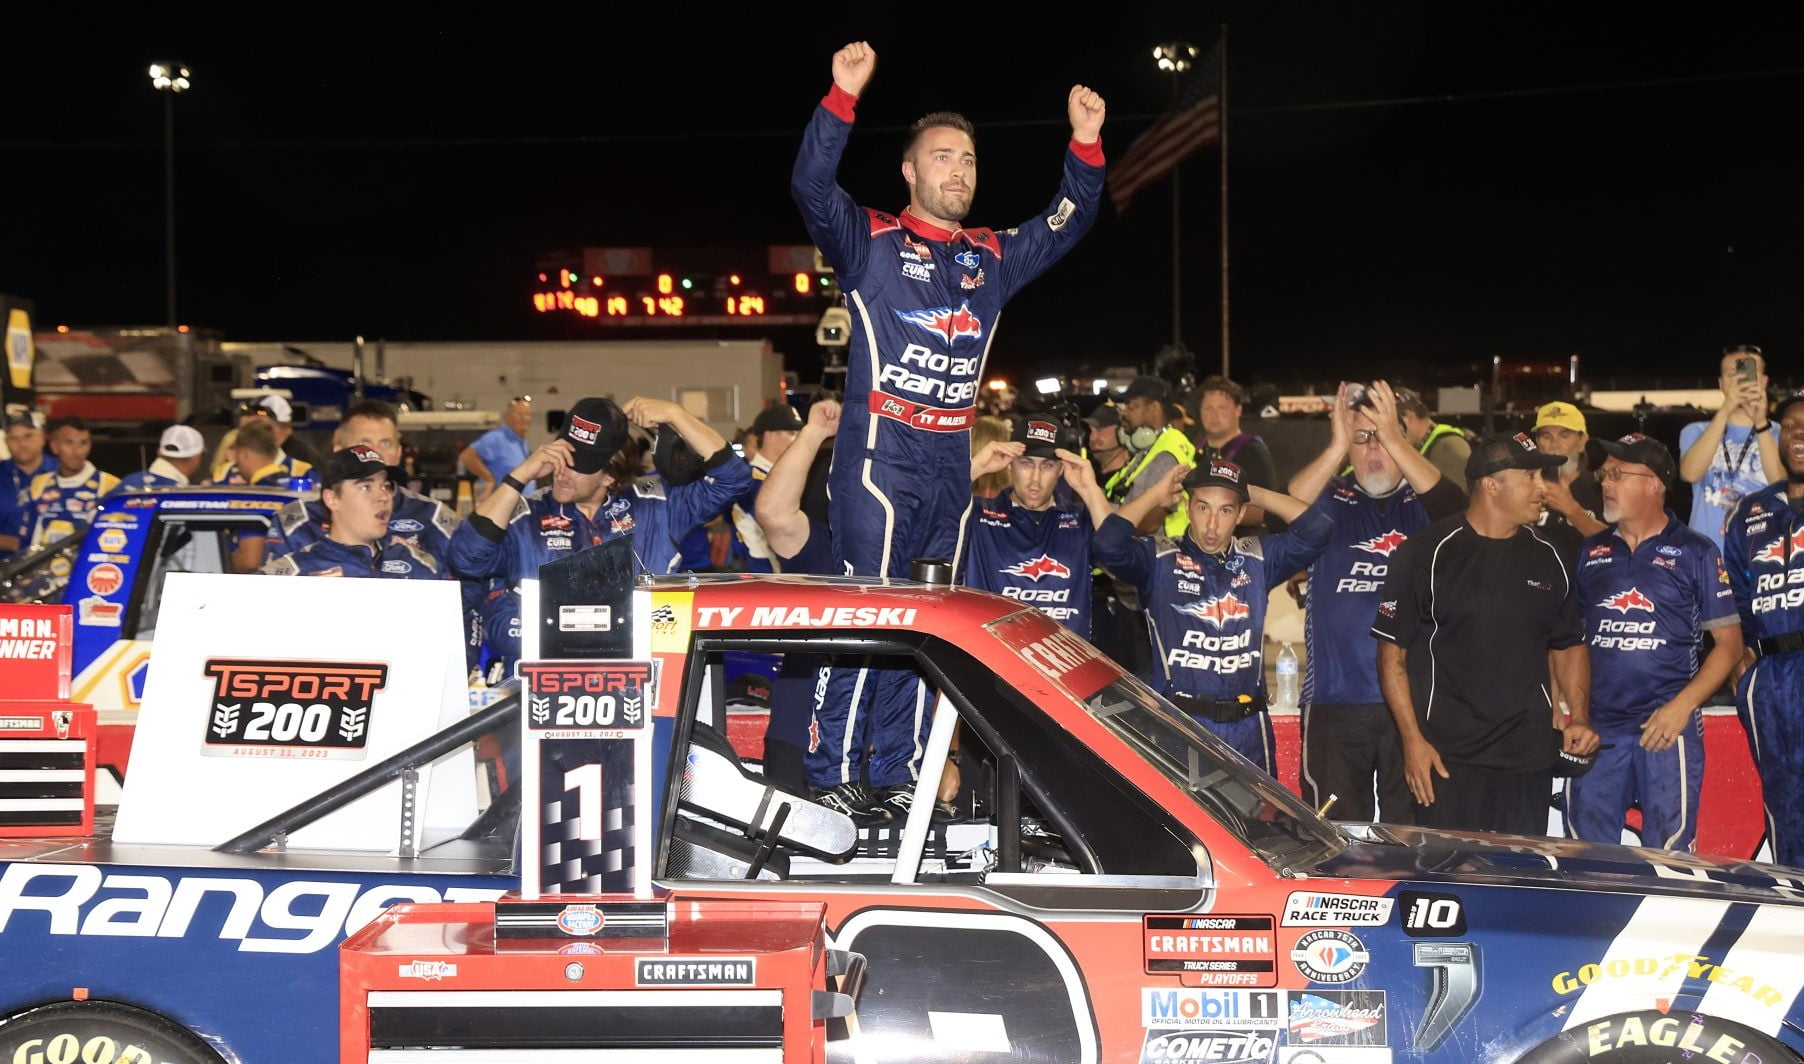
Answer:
(1486, 799)
(1353, 753)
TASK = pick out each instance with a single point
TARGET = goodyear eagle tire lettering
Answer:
(1651, 1037)
(98, 1032)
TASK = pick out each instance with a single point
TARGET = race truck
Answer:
(1111, 884)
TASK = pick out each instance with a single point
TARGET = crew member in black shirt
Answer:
(1471, 608)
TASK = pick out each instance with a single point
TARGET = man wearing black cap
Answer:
(773, 430)
(1471, 609)
(1155, 447)
(1032, 541)
(1650, 587)
(1103, 441)
(595, 496)
(358, 489)
(25, 445)
(1763, 550)
(1206, 592)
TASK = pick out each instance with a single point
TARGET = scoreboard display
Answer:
(780, 284)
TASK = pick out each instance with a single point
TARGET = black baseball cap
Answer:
(356, 462)
(1147, 388)
(597, 429)
(779, 417)
(1502, 451)
(1043, 436)
(1106, 416)
(675, 460)
(1643, 450)
(1568, 765)
(1217, 473)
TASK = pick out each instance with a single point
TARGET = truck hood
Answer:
(1396, 852)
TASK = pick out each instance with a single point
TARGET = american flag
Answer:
(1194, 120)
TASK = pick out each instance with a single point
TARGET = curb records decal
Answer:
(1329, 956)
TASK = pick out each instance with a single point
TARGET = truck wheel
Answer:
(99, 1032)
(1651, 1037)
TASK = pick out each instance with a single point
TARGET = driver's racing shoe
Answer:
(856, 801)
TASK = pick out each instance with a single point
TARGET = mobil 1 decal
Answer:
(313, 709)
(1212, 950)
(1335, 1018)
(582, 737)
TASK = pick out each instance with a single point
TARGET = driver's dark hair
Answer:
(938, 120)
(67, 421)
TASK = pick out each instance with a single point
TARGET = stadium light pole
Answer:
(1174, 58)
(169, 79)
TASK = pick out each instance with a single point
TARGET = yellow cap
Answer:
(1564, 415)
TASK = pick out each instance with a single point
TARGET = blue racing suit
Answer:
(1763, 550)
(1040, 557)
(544, 530)
(56, 504)
(1645, 615)
(14, 506)
(328, 557)
(1207, 613)
(925, 303)
(424, 522)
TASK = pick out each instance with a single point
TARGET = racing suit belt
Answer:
(1219, 712)
(1783, 643)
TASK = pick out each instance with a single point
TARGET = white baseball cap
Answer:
(278, 408)
(180, 441)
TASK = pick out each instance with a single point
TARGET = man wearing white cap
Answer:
(293, 452)
(178, 459)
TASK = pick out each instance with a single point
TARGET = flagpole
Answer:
(1176, 244)
(1222, 88)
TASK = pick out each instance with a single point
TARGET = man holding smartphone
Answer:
(1735, 453)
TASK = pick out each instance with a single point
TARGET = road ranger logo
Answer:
(1044, 565)
(946, 323)
(1217, 611)
(1632, 599)
(291, 708)
(1384, 544)
(1783, 549)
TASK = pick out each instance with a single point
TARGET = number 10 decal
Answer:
(586, 777)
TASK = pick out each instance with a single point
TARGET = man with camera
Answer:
(1735, 453)
(1351, 752)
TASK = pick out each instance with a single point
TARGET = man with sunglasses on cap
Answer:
(358, 489)
(596, 495)
(1763, 550)
(1650, 587)
(1736, 452)
(1031, 542)
(1351, 752)
(25, 447)
(1206, 593)
(1475, 608)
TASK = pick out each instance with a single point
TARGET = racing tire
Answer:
(99, 1032)
(1651, 1037)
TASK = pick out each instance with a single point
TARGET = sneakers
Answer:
(900, 801)
(856, 801)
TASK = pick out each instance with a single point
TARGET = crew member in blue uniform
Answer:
(358, 489)
(925, 294)
(180, 452)
(596, 496)
(1650, 587)
(1206, 593)
(1351, 753)
(1763, 550)
(1032, 541)
(25, 445)
(62, 497)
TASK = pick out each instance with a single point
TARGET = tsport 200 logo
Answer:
(291, 708)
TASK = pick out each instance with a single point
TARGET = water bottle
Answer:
(1287, 677)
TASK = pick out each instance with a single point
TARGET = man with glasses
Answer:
(1351, 754)
(1764, 553)
(1477, 610)
(503, 447)
(1735, 453)
(1650, 588)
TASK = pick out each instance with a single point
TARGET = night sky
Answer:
(335, 180)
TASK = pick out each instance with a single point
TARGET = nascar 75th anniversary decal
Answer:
(291, 708)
